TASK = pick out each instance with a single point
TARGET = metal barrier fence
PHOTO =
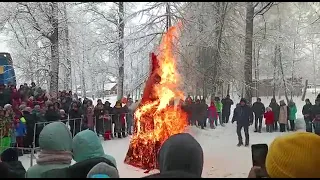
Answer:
(112, 124)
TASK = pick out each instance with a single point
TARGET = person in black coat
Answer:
(75, 117)
(226, 106)
(307, 111)
(4, 170)
(196, 113)
(203, 114)
(316, 116)
(180, 156)
(276, 110)
(30, 123)
(258, 110)
(244, 117)
(52, 114)
(15, 167)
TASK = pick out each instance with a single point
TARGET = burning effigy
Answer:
(156, 117)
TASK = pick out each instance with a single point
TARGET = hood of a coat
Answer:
(86, 145)
(56, 136)
(181, 152)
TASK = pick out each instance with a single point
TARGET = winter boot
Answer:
(239, 144)
(246, 144)
(255, 130)
(119, 135)
(107, 136)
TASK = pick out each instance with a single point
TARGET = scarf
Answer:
(54, 157)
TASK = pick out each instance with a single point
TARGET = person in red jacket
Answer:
(212, 115)
(269, 116)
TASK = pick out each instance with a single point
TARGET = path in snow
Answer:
(222, 158)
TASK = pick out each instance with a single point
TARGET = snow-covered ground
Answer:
(222, 158)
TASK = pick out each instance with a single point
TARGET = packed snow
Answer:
(222, 158)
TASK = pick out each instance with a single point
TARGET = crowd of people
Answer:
(65, 128)
(181, 156)
(277, 117)
(25, 111)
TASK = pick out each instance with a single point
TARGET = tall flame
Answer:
(156, 118)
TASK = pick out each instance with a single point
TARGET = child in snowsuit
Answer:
(212, 115)
(269, 119)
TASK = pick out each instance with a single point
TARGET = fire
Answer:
(156, 118)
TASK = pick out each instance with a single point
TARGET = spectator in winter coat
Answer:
(219, 107)
(103, 170)
(56, 145)
(4, 170)
(16, 169)
(294, 156)
(5, 96)
(226, 106)
(63, 116)
(258, 110)
(316, 116)
(180, 156)
(52, 114)
(5, 128)
(283, 116)
(203, 113)
(307, 112)
(21, 131)
(195, 108)
(86, 145)
(40, 121)
(244, 116)
(276, 110)
(269, 119)
(30, 123)
(119, 119)
(75, 116)
(99, 113)
(87, 152)
(212, 115)
(129, 116)
(292, 115)
(89, 121)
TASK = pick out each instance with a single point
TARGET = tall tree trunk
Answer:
(283, 76)
(54, 40)
(121, 50)
(248, 51)
(304, 90)
(83, 81)
(274, 72)
(221, 8)
(168, 17)
(68, 80)
(314, 71)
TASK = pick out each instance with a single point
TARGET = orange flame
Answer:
(156, 118)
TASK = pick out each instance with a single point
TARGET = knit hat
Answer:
(294, 156)
(103, 170)
(9, 155)
(7, 106)
(243, 100)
